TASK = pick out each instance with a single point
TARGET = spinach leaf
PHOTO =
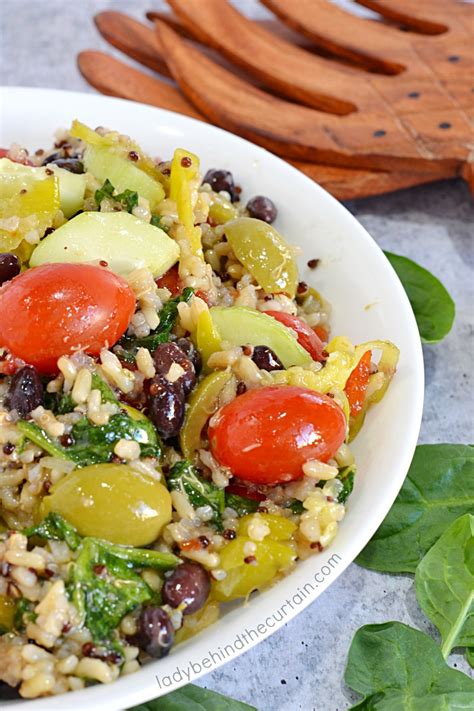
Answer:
(103, 583)
(241, 504)
(106, 392)
(156, 221)
(296, 506)
(104, 598)
(193, 698)
(439, 487)
(59, 403)
(127, 347)
(93, 444)
(396, 667)
(346, 476)
(432, 305)
(128, 198)
(185, 477)
(55, 527)
(470, 656)
(444, 582)
(24, 613)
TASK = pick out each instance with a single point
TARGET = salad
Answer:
(175, 416)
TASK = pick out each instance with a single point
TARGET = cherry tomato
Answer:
(170, 280)
(307, 338)
(357, 384)
(266, 435)
(56, 309)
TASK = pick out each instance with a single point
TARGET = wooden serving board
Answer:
(405, 122)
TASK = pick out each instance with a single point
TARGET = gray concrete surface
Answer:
(302, 665)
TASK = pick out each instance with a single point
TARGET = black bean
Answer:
(25, 391)
(9, 267)
(155, 632)
(266, 359)
(191, 351)
(262, 208)
(73, 165)
(188, 584)
(166, 405)
(222, 180)
(168, 353)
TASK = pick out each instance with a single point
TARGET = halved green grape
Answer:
(111, 501)
(264, 252)
(240, 325)
(247, 572)
(281, 528)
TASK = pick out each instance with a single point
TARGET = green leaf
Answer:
(55, 527)
(470, 656)
(193, 698)
(241, 504)
(127, 347)
(438, 489)
(106, 191)
(397, 668)
(444, 584)
(156, 221)
(184, 477)
(93, 444)
(432, 305)
(346, 476)
(128, 198)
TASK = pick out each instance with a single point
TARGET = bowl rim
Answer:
(135, 688)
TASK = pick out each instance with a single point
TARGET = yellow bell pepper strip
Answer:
(378, 382)
(195, 623)
(184, 167)
(202, 404)
(29, 201)
(206, 337)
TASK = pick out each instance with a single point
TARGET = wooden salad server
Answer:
(115, 78)
(362, 140)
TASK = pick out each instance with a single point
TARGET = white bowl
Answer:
(368, 303)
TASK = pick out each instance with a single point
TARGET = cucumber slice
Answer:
(240, 326)
(14, 176)
(104, 163)
(120, 239)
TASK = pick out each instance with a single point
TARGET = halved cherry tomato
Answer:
(56, 309)
(357, 384)
(266, 435)
(307, 338)
(170, 281)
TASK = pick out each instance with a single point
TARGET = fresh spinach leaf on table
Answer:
(193, 698)
(432, 304)
(396, 667)
(438, 489)
(444, 582)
